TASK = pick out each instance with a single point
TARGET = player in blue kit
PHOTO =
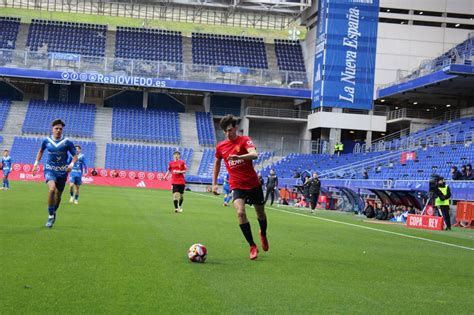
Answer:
(75, 178)
(6, 167)
(227, 191)
(56, 166)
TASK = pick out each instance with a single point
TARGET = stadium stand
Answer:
(4, 109)
(206, 166)
(142, 158)
(438, 134)
(263, 156)
(148, 44)
(205, 129)
(431, 160)
(8, 32)
(289, 55)
(67, 37)
(79, 118)
(146, 125)
(228, 50)
(298, 163)
(1, 139)
(290, 58)
(24, 150)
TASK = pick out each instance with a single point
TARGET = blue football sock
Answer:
(71, 193)
(77, 197)
(4, 184)
(7, 182)
(51, 210)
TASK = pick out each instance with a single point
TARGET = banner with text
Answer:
(104, 177)
(344, 61)
(425, 222)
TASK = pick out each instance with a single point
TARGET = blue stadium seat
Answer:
(67, 37)
(205, 129)
(79, 118)
(146, 125)
(5, 105)
(142, 158)
(229, 50)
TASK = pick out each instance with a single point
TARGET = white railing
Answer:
(152, 69)
(276, 112)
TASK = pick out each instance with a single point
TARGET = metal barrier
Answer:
(149, 69)
(276, 112)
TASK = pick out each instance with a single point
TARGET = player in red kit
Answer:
(238, 153)
(177, 168)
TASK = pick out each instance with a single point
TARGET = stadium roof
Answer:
(291, 7)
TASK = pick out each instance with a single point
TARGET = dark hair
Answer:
(78, 146)
(226, 121)
(58, 122)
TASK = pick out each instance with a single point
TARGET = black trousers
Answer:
(314, 200)
(270, 192)
(446, 216)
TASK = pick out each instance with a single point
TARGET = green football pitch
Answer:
(123, 250)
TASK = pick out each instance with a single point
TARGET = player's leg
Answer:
(4, 182)
(239, 205)
(51, 203)
(77, 186)
(181, 197)
(176, 200)
(76, 194)
(7, 182)
(256, 198)
(71, 189)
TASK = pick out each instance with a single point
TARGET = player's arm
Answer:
(75, 157)
(215, 174)
(182, 171)
(39, 155)
(251, 155)
(71, 165)
(167, 173)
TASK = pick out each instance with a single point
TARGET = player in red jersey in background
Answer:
(177, 168)
(238, 153)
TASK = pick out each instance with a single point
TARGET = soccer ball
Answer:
(197, 253)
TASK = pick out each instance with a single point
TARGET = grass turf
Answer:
(123, 250)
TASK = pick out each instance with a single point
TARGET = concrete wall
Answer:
(347, 121)
(267, 136)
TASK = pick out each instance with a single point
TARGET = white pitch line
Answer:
(359, 226)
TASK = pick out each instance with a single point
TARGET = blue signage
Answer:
(153, 82)
(230, 69)
(346, 42)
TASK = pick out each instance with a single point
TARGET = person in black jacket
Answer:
(314, 190)
(455, 173)
(272, 183)
(469, 175)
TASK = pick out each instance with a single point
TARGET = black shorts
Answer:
(178, 188)
(252, 196)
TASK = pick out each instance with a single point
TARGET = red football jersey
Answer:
(179, 165)
(241, 172)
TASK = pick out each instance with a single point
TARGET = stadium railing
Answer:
(275, 112)
(151, 69)
(438, 135)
